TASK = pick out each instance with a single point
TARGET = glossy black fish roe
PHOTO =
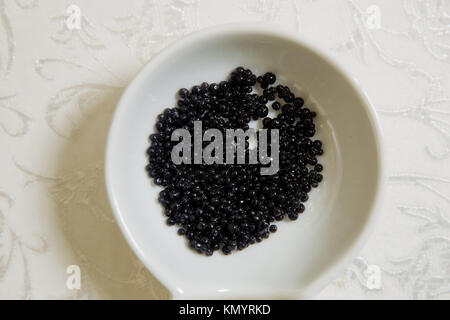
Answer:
(276, 106)
(229, 207)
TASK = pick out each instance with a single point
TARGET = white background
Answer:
(59, 85)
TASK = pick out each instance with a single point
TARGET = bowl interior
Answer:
(301, 253)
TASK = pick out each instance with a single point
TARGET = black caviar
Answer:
(229, 207)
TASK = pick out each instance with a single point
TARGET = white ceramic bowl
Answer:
(303, 255)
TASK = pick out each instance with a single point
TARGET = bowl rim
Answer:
(271, 30)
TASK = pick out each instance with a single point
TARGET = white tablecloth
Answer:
(63, 65)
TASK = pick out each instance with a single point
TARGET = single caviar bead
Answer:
(269, 78)
(276, 105)
(298, 102)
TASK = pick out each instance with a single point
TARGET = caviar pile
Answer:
(229, 207)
